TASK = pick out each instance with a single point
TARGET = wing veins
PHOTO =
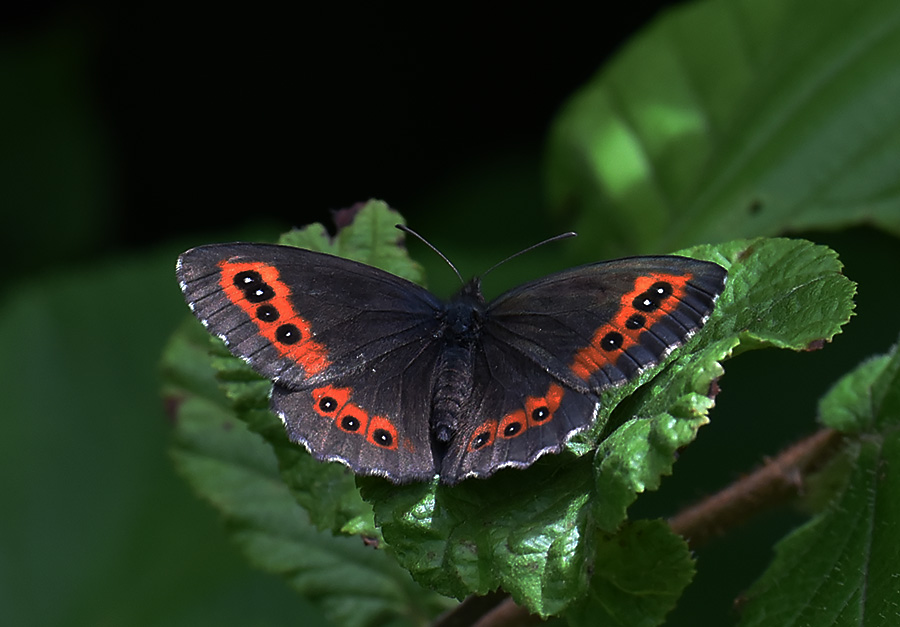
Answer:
(365, 272)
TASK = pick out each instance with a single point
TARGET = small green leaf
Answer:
(326, 491)
(634, 459)
(467, 539)
(791, 294)
(843, 567)
(723, 119)
(372, 238)
(774, 297)
(638, 576)
(844, 408)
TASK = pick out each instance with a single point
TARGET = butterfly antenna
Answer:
(406, 229)
(555, 238)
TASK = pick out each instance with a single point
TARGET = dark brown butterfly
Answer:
(379, 374)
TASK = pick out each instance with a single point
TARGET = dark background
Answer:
(136, 122)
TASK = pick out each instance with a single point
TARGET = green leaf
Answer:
(531, 532)
(841, 568)
(372, 238)
(726, 119)
(327, 491)
(791, 296)
(782, 293)
(236, 470)
(526, 530)
(465, 539)
(638, 575)
(96, 527)
(844, 408)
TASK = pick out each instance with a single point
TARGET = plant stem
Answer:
(778, 480)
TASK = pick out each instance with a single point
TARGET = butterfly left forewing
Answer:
(296, 315)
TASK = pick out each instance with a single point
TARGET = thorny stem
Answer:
(775, 482)
(778, 480)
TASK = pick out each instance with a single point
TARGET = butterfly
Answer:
(376, 372)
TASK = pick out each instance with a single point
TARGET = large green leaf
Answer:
(96, 528)
(736, 118)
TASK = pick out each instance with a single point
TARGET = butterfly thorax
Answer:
(453, 382)
(461, 318)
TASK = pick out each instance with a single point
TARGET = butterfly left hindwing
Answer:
(374, 420)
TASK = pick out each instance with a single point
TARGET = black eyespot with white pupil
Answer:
(267, 313)
(383, 437)
(512, 429)
(251, 283)
(260, 295)
(287, 334)
(247, 279)
(651, 299)
(661, 289)
(540, 414)
(480, 440)
(612, 341)
(635, 321)
(327, 404)
(350, 423)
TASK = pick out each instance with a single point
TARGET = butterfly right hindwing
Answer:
(518, 412)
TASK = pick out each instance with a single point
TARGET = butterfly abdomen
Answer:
(452, 388)
(453, 380)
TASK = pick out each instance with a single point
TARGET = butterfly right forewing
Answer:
(601, 324)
